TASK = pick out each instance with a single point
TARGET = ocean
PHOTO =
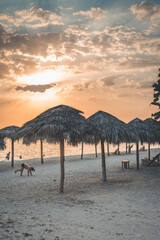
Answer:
(52, 150)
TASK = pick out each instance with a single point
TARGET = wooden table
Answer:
(125, 164)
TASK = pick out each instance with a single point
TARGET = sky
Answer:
(90, 54)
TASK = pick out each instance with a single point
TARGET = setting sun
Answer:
(41, 78)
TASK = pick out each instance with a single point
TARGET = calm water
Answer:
(52, 150)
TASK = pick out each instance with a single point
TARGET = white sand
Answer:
(126, 207)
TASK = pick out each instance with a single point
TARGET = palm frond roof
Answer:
(115, 130)
(2, 144)
(58, 122)
(9, 132)
(142, 131)
(154, 127)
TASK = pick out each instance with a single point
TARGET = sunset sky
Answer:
(89, 54)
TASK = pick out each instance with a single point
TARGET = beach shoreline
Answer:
(4, 164)
(125, 207)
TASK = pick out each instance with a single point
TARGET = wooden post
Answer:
(108, 148)
(126, 147)
(149, 152)
(129, 148)
(62, 165)
(118, 149)
(41, 151)
(103, 162)
(137, 154)
(96, 149)
(82, 151)
(12, 160)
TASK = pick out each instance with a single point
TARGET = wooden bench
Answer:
(125, 164)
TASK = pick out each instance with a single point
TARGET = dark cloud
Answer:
(40, 13)
(31, 44)
(108, 81)
(4, 70)
(82, 87)
(145, 84)
(35, 88)
(138, 63)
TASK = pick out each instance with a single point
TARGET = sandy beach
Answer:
(126, 207)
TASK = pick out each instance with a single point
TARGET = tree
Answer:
(156, 95)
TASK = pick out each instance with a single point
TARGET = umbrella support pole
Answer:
(108, 148)
(149, 152)
(96, 149)
(42, 152)
(82, 151)
(62, 165)
(137, 155)
(12, 160)
(103, 162)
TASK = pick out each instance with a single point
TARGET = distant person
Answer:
(20, 156)
(142, 148)
(116, 152)
(27, 167)
(8, 156)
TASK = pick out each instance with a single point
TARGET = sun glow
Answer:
(41, 78)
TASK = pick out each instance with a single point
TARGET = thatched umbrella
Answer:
(154, 127)
(114, 130)
(143, 133)
(55, 125)
(9, 132)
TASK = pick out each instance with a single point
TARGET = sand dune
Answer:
(126, 207)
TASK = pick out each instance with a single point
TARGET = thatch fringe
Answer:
(114, 130)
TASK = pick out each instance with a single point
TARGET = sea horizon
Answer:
(52, 150)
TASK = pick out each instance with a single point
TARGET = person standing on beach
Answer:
(8, 156)
(27, 167)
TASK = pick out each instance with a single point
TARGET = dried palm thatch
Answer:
(2, 144)
(89, 133)
(56, 125)
(10, 132)
(60, 122)
(154, 127)
(141, 130)
(115, 130)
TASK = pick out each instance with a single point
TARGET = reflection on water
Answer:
(52, 150)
